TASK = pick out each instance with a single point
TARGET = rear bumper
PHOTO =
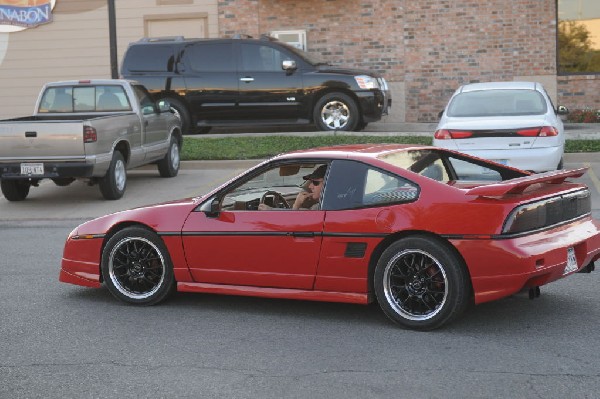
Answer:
(503, 267)
(533, 159)
(51, 170)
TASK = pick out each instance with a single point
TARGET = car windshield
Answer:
(497, 103)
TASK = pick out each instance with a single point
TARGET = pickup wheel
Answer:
(169, 165)
(15, 190)
(112, 185)
(336, 111)
(180, 111)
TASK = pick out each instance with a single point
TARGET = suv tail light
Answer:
(544, 131)
(89, 134)
(444, 134)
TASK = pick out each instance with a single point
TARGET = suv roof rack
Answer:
(162, 39)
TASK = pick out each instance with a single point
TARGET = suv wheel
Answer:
(15, 190)
(180, 111)
(336, 111)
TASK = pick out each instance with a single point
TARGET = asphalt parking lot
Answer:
(79, 201)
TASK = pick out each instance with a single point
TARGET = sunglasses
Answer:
(315, 182)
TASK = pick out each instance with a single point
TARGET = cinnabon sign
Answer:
(16, 15)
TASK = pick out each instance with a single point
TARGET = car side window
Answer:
(210, 57)
(261, 58)
(353, 185)
(146, 103)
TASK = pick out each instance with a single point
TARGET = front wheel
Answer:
(421, 284)
(180, 110)
(112, 185)
(169, 165)
(137, 268)
(15, 190)
(336, 111)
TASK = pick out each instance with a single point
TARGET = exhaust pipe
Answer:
(534, 292)
(587, 269)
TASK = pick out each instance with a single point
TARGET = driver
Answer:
(307, 199)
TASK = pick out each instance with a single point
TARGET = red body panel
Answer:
(327, 255)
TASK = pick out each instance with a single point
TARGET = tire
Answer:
(63, 181)
(560, 164)
(203, 129)
(15, 190)
(336, 111)
(113, 184)
(421, 284)
(180, 110)
(360, 126)
(137, 268)
(169, 165)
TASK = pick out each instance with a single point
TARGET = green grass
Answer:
(259, 147)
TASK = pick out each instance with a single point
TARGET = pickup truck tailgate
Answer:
(43, 140)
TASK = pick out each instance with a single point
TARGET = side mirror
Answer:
(440, 114)
(562, 110)
(288, 65)
(212, 207)
(164, 106)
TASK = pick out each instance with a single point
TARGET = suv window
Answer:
(261, 58)
(209, 57)
(152, 58)
(352, 184)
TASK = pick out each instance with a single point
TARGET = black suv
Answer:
(242, 81)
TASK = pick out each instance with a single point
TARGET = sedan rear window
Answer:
(497, 103)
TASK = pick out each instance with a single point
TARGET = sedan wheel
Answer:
(421, 284)
(136, 267)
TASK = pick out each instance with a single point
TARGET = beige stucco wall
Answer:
(76, 44)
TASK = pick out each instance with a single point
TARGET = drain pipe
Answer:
(112, 34)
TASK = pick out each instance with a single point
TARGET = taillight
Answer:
(544, 131)
(444, 134)
(89, 134)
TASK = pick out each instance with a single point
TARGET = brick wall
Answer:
(430, 46)
(579, 91)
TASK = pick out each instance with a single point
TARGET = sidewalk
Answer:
(573, 131)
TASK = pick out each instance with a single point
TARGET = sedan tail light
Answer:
(89, 134)
(444, 134)
(544, 131)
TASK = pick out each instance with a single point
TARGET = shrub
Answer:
(583, 116)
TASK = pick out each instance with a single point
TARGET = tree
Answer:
(575, 52)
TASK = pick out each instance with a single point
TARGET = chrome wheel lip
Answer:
(335, 114)
(387, 287)
(120, 175)
(115, 280)
(175, 156)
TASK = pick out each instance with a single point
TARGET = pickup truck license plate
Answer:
(32, 168)
(571, 261)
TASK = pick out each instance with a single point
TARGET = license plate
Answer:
(32, 168)
(571, 261)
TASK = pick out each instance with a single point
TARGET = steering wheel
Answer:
(278, 199)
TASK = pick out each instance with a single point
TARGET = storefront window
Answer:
(578, 36)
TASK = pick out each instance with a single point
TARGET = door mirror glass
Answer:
(164, 106)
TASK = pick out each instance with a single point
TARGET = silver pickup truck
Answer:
(92, 130)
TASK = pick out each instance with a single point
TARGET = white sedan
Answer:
(513, 123)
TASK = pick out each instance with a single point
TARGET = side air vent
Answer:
(355, 250)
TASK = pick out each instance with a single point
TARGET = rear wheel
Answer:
(113, 184)
(336, 111)
(137, 268)
(169, 165)
(421, 283)
(15, 190)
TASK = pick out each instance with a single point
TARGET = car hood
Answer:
(163, 217)
(345, 71)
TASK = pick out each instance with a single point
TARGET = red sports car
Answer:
(423, 231)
